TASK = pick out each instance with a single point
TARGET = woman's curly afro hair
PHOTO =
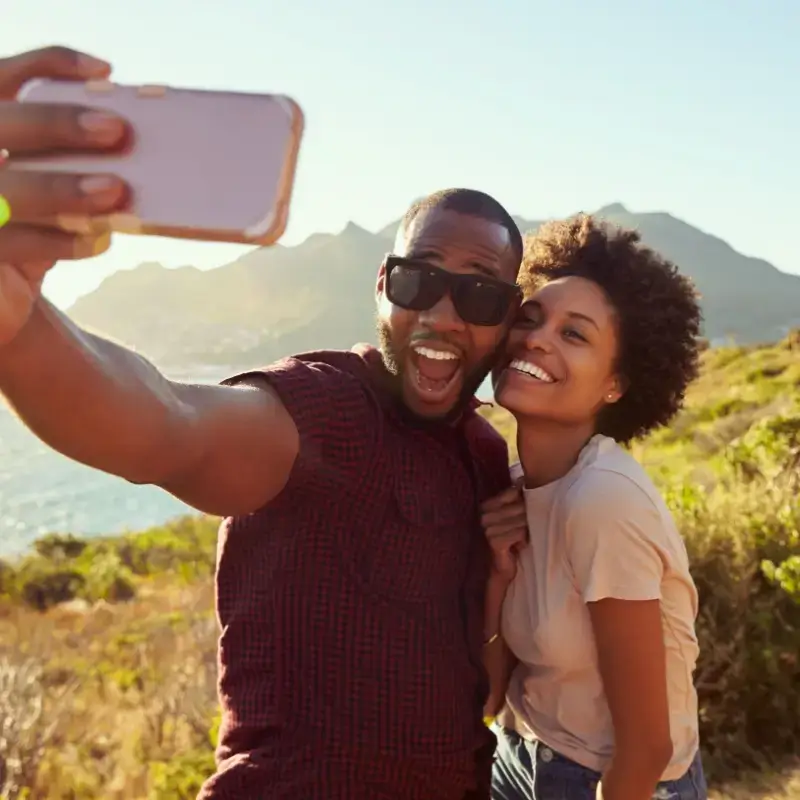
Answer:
(658, 316)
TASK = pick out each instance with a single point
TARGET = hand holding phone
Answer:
(217, 166)
(29, 243)
(79, 159)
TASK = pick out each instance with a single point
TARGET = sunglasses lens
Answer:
(479, 302)
(413, 287)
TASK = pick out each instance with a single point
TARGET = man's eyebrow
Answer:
(481, 267)
(432, 255)
(424, 255)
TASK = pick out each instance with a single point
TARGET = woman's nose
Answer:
(539, 338)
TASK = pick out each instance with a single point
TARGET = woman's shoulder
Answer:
(610, 477)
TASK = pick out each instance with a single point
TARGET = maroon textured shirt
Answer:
(351, 606)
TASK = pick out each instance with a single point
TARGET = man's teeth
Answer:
(437, 355)
(531, 369)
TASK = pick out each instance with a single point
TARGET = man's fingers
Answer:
(511, 495)
(48, 62)
(30, 128)
(29, 244)
(38, 196)
(35, 271)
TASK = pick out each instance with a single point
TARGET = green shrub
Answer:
(58, 546)
(106, 578)
(181, 777)
(43, 585)
(63, 567)
(185, 547)
(742, 541)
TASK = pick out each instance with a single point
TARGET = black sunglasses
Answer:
(478, 299)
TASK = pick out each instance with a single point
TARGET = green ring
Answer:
(5, 211)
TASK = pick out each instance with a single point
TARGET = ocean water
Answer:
(42, 491)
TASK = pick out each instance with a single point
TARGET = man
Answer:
(351, 563)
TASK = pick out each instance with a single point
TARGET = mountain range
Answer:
(320, 294)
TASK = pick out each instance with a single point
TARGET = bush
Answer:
(43, 585)
(182, 777)
(58, 547)
(743, 536)
(64, 567)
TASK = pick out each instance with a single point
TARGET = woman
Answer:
(590, 641)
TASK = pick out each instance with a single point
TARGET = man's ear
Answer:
(380, 283)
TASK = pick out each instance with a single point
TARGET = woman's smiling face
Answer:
(561, 357)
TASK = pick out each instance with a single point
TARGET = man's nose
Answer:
(442, 317)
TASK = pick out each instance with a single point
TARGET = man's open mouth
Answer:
(436, 371)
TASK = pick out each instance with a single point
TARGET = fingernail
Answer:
(101, 127)
(91, 65)
(74, 223)
(97, 184)
(88, 247)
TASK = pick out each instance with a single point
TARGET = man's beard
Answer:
(392, 361)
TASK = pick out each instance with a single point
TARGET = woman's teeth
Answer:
(531, 369)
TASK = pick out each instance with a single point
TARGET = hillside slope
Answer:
(320, 293)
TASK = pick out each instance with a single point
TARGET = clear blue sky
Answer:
(553, 107)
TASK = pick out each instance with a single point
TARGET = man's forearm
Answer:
(91, 399)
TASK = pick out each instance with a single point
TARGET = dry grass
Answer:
(110, 693)
(781, 786)
(108, 689)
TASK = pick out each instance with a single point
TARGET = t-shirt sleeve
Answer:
(336, 416)
(613, 539)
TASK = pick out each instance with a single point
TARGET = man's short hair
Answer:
(469, 202)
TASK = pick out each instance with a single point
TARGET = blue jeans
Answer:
(532, 771)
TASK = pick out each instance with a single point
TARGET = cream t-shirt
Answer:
(601, 531)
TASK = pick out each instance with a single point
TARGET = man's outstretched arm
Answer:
(223, 450)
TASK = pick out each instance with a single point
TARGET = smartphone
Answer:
(209, 165)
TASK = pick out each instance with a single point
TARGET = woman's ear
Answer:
(619, 386)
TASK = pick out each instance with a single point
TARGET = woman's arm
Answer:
(618, 549)
(497, 658)
(630, 649)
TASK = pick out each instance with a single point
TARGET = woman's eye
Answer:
(571, 333)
